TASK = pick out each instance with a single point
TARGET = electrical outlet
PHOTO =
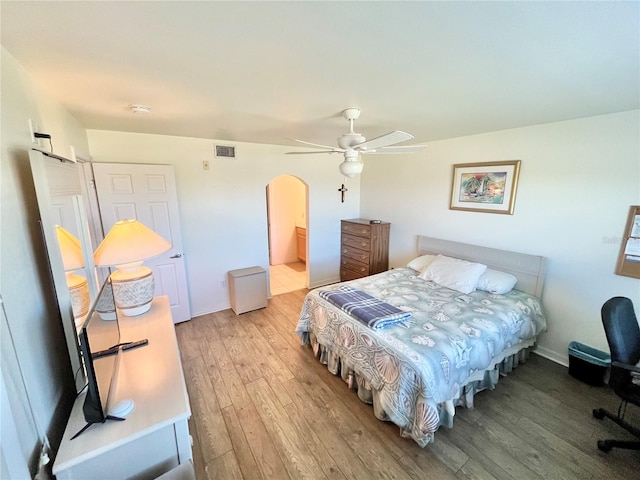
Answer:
(223, 283)
(205, 164)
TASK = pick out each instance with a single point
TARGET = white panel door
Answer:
(148, 194)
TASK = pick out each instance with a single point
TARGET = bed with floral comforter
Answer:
(415, 373)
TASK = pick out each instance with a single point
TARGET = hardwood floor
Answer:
(264, 408)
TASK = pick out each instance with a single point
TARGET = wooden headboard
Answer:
(529, 269)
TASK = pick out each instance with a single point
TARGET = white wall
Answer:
(32, 320)
(223, 210)
(577, 181)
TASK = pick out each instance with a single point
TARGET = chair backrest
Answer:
(622, 330)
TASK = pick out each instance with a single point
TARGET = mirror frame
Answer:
(56, 177)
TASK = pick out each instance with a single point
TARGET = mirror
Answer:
(58, 187)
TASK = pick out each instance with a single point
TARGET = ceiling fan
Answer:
(353, 144)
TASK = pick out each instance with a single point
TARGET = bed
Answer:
(454, 343)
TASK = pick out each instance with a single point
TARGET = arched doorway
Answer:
(287, 226)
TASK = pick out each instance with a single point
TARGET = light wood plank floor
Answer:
(264, 408)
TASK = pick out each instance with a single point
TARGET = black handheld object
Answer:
(113, 350)
(139, 343)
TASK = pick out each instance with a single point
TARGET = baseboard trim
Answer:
(551, 355)
(322, 283)
(217, 308)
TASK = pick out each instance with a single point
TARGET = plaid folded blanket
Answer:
(365, 308)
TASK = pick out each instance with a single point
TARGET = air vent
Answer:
(225, 151)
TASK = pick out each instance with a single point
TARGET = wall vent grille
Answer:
(226, 151)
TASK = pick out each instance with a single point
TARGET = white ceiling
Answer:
(267, 71)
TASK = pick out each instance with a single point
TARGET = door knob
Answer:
(177, 255)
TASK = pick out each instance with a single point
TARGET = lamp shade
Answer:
(70, 249)
(78, 286)
(129, 241)
(126, 246)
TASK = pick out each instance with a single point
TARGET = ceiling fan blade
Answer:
(307, 153)
(390, 138)
(398, 149)
(334, 149)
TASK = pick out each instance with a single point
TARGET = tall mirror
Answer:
(65, 228)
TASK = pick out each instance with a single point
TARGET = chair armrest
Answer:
(633, 369)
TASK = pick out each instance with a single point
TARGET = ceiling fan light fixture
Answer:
(351, 168)
(353, 144)
(350, 140)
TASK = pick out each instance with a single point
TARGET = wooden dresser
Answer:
(364, 248)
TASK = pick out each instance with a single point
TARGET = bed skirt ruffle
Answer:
(481, 380)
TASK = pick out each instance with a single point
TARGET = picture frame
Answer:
(629, 257)
(488, 187)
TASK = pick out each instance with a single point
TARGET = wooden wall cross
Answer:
(343, 190)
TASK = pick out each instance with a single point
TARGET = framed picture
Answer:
(629, 257)
(485, 187)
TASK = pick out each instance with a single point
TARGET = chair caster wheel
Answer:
(604, 446)
(597, 413)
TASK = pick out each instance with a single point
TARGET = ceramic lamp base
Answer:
(79, 293)
(133, 290)
(106, 306)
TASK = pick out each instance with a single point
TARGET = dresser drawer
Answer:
(355, 265)
(355, 253)
(358, 229)
(346, 274)
(356, 242)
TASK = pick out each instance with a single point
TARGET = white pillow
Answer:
(422, 262)
(495, 281)
(454, 273)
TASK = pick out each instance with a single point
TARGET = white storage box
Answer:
(248, 289)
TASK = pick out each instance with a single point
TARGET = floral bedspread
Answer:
(417, 366)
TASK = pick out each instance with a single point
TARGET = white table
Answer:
(154, 438)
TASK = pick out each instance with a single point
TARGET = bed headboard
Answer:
(529, 269)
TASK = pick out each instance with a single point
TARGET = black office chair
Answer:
(623, 335)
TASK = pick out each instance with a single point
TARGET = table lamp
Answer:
(71, 252)
(106, 305)
(125, 247)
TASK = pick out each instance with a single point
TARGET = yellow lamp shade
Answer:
(70, 249)
(129, 241)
